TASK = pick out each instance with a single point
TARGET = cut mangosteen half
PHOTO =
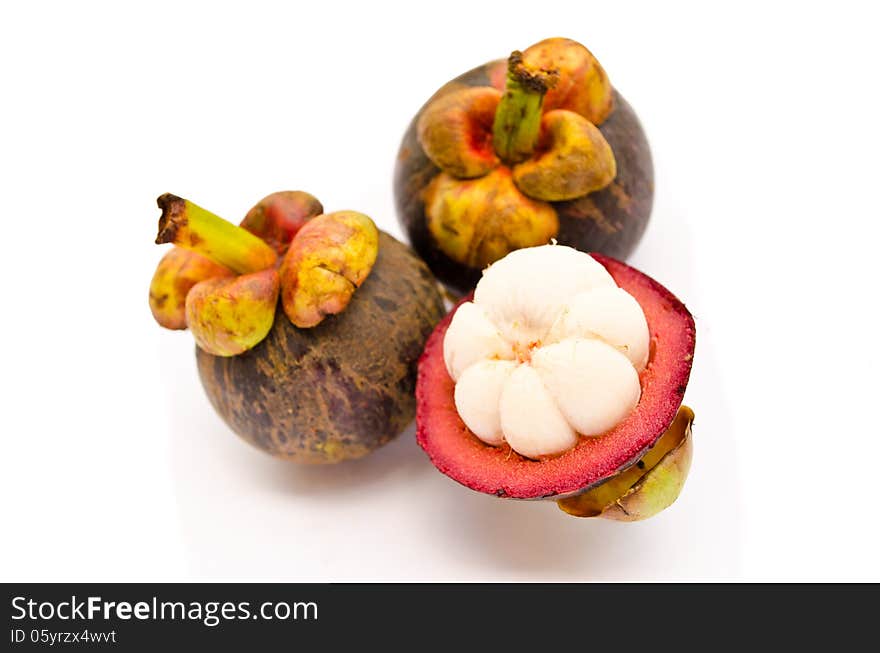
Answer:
(501, 471)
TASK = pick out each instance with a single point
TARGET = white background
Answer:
(764, 125)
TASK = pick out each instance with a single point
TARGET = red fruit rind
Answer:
(498, 470)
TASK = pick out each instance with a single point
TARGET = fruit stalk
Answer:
(190, 226)
(518, 118)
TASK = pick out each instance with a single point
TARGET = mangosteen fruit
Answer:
(331, 375)
(513, 154)
(561, 377)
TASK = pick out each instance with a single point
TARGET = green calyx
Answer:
(518, 118)
(647, 487)
(188, 225)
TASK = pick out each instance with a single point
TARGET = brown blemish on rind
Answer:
(343, 388)
(585, 209)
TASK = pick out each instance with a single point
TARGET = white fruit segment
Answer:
(524, 292)
(471, 337)
(532, 424)
(594, 385)
(611, 315)
(478, 396)
(550, 348)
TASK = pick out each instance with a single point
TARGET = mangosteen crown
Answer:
(223, 281)
(513, 153)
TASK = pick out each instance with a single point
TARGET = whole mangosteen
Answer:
(331, 376)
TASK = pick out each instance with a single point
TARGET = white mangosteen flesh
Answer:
(549, 349)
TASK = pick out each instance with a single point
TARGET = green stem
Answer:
(190, 226)
(518, 117)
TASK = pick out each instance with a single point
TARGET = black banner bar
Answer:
(149, 616)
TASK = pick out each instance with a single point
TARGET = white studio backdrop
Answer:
(763, 123)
